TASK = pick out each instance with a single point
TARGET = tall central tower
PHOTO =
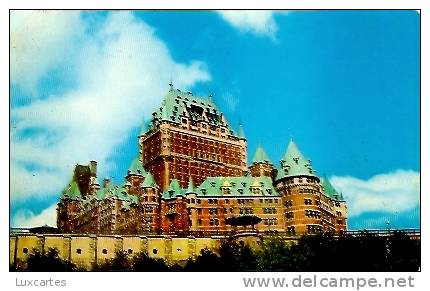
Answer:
(188, 137)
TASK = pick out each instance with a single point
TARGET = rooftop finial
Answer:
(241, 132)
(171, 82)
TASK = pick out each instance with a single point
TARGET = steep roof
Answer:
(191, 188)
(176, 102)
(294, 163)
(136, 168)
(238, 186)
(72, 191)
(173, 191)
(330, 191)
(260, 156)
(149, 181)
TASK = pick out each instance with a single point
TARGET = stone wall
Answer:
(87, 250)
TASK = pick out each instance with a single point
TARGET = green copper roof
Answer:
(260, 156)
(237, 186)
(176, 102)
(72, 191)
(136, 168)
(294, 163)
(329, 190)
(226, 187)
(173, 191)
(149, 181)
(105, 192)
(191, 188)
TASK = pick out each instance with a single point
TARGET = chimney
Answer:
(93, 168)
(106, 182)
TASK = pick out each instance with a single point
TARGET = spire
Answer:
(173, 191)
(260, 156)
(191, 188)
(174, 186)
(136, 168)
(294, 163)
(293, 152)
(149, 181)
(241, 132)
(211, 98)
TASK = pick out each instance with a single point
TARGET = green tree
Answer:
(120, 262)
(143, 263)
(48, 262)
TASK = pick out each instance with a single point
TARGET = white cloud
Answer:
(39, 40)
(26, 218)
(392, 192)
(122, 70)
(258, 22)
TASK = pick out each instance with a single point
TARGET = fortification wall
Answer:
(88, 250)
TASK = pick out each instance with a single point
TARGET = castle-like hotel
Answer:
(191, 177)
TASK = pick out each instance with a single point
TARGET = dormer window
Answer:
(255, 190)
(226, 191)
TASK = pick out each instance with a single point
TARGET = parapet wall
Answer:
(88, 250)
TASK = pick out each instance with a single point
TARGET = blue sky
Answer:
(343, 84)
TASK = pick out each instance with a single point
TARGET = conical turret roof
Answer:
(149, 181)
(260, 156)
(136, 168)
(191, 188)
(294, 163)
